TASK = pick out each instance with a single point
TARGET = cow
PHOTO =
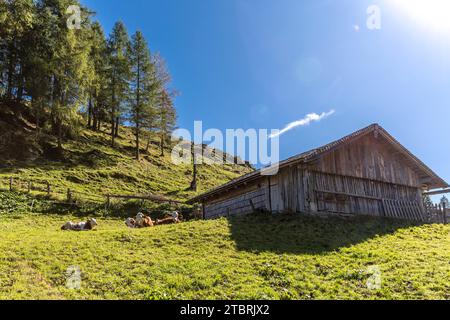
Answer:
(143, 221)
(80, 226)
(130, 223)
(175, 216)
(172, 218)
(169, 220)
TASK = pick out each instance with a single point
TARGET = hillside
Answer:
(90, 167)
(263, 257)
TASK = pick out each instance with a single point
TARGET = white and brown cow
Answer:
(141, 221)
(172, 218)
(80, 226)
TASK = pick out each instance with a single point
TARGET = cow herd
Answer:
(140, 221)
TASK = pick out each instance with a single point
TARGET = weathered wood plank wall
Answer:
(369, 158)
(236, 203)
(325, 192)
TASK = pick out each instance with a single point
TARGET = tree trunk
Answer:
(113, 113)
(20, 86)
(116, 133)
(36, 115)
(193, 186)
(94, 122)
(194, 179)
(53, 105)
(94, 117)
(10, 82)
(148, 144)
(113, 122)
(138, 104)
(162, 145)
(137, 141)
(113, 126)
(89, 111)
(59, 135)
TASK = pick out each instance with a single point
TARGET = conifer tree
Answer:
(142, 86)
(119, 74)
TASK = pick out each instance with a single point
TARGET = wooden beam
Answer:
(437, 192)
(347, 194)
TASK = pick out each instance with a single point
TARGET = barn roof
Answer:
(433, 180)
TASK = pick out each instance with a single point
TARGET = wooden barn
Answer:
(367, 172)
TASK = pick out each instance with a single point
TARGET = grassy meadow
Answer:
(268, 257)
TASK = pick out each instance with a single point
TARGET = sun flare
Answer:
(435, 14)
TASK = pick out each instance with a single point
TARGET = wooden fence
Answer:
(69, 196)
(438, 213)
(47, 189)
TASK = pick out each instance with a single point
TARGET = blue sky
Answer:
(265, 63)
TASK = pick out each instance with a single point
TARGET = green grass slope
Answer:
(254, 257)
(90, 167)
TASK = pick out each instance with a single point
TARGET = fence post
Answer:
(252, 205)
(108, 202)
(69, 196)
(10, 183)
(29, 186)
(444, 210)
(48, 189)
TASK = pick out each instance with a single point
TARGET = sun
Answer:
(434, 14)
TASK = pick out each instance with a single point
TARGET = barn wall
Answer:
(289, 190)
(237, 202)
(372, 158)
(350, 195)
(299, 189)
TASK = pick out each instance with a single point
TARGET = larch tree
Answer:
(16, 20)
(166, 118)
(97, 76)
(119, 75)
(142, 86)
(164, 103)
(68, 64)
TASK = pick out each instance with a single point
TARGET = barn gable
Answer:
(372, 153)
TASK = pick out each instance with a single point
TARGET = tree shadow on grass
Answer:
(297, 234)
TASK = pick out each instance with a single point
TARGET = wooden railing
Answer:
(438, 213)
(69, 196)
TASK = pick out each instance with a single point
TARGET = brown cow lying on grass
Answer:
(141, 221)
(174, 218)
(80, 226)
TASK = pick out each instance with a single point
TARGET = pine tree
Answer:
(16, 20)
(194, 155)
(119, 74)
(142, 86)
(166, 116)
(97, 75)
(68, 64)
(165, 110)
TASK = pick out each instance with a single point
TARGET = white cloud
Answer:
(312, 117)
